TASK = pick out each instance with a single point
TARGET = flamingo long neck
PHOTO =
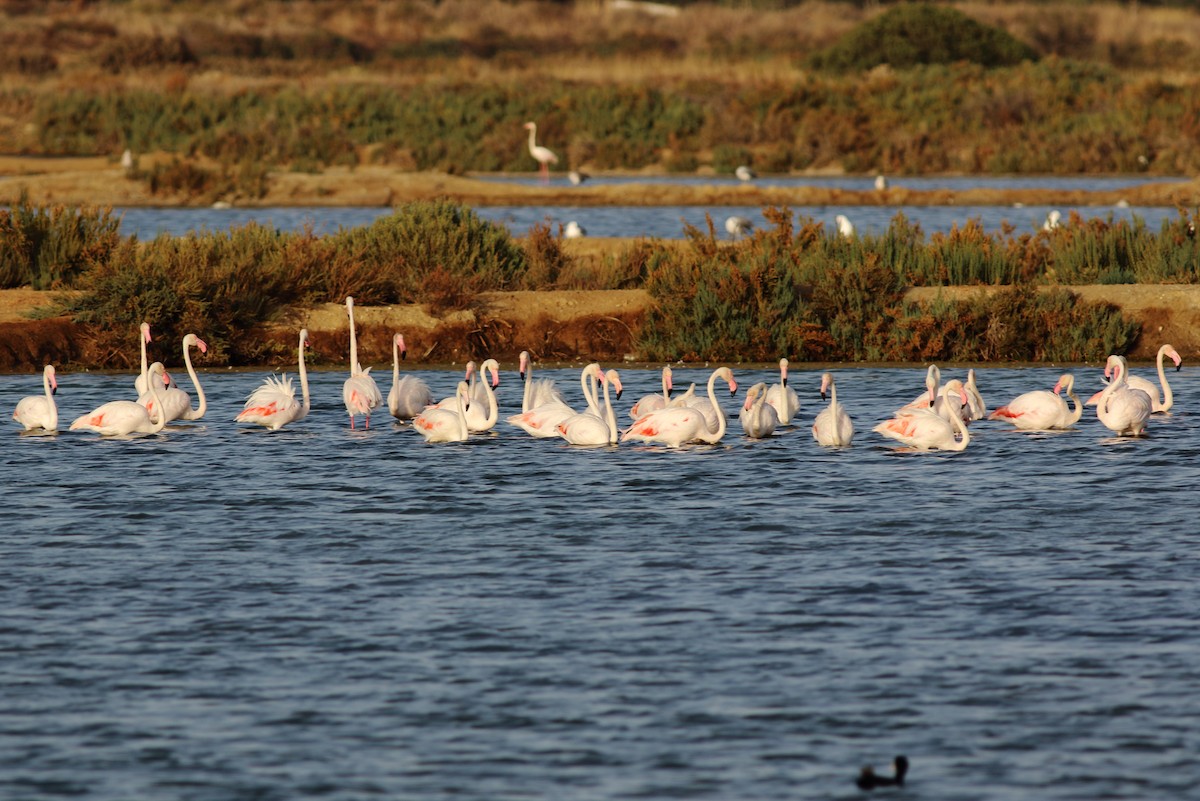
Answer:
(532, 137)
(155, 380)
(833, 401)
(527, 372)
(585, 383)
(52, 407)
(355, 369)
(666, 379)
(1168, 396)
(463, 389)
(395, 364)
(610, 417)
(712, 396)
(956, 421)
(1077, 412)
(304, 380)
(493, 407)
(143, 334)
(202, 401)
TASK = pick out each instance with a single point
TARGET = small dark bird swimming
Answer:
(869, 780)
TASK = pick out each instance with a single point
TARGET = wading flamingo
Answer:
(274, 403)
(444, 425)
(759, 419)
(139, 383)
(539, 391)
(589, 429)
(543, 155)
(783, 398)
(833, 427)
(1121, 409)
(123, 417)
(40, 411)
(1041, 409)
(933, 381)
(542, 421)
(674, 426)
(976, 408)
(176, 403)
(409, 395)
(923, 429)
(359, 392)
(1168, 397)
(654, 401)
(483, 414)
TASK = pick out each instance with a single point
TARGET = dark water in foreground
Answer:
(228, 613)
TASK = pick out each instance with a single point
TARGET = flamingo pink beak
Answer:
(200, 343)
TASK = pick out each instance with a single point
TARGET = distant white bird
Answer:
(543, 155)
(881, 182)
(576, 177)
(845, 227)
(127, 160)
(738, 227)
(744, 173)
(1053, 220)
(574, 230)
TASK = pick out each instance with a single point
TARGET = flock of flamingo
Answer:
(938, 419)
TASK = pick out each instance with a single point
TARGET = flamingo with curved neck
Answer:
(543, 155)
(176, 403)
(359, 392)
(40, 411)
(443, 425)
(674, 426)
(783, 398)
(123, 417)
(832, 427)
(483, 414)
(139, 383)
(589, 429)
(1168, 397)
(759, 418)
(923, 429)
(273, 404)
(654, 401)
(542, 421)
(1121, 409)
(1042, 410)
(537, 392)
(409, 395)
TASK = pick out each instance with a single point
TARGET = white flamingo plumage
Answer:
(675, 426)
(537, 391)
(976, 408)
(409, 395)
(832, 427)
(273, 404)
(759, 418)
(176, 403)
(40, 411)
(542, 421)
(933, 382)
(359, 392)
(923, 429)
(783, 398)
(653, 402)
(482, 414)
(543, 155)
(1041, 409)
(124, 417)
(1121, 409)
(445, 425)
(593, 430)
(1151, 389)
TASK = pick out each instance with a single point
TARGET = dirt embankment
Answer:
(559, 325)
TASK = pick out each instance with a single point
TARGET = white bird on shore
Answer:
(1053, 220)
(738, 227)
(744, 173)
(574, 230)
(844, 226)
(543, 155)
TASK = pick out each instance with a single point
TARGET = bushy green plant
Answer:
(45, 247)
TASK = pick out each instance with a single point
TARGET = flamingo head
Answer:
(192, 339)
(145, 329)
(493, 367)
(398, 340)
(1114, 367)
(955, 389)
(304, 337)
(53, 380)
(752, 395)
(349, 304)
(783, 368)
(1065, 381)
(471, 368)
(727, 374)
(826, 380)
(524, 363)
(1174, 354)
(668, 380)
(530, 126)
(615, 379)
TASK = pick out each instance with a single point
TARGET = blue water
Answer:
(661, 222)
(224, 613)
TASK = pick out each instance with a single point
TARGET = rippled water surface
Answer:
(218, 612)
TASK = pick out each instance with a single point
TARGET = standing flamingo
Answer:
(176, 403)
(544, 155)
(759, 418)
(1168, 397)
(1121, 409)
(274, 403)
(833, 427)
(654, 402)
(1041, 409)
(123, 417)
(38, 411)
(592, 430)
(359, 392)
(674, 426)
(923, 429)
(139, 383)
(542, 421)
(409, 395)
(783, 398)
(443, 425)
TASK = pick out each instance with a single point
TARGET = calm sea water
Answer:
(219, 612)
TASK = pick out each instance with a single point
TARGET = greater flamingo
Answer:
(40, 411)
(933, 381)
(976, 408)
(274, 404)
(1121, 409)
(1041, 409)
(543, 155)
(177, 404)
(759, 419)
(783, 398)
(483, 414)
(542, 421)
(674, 426)
(444, 425)
(139, 383)
(653, 402)
(359, 392)
(833, 427)
(592, 430)
(123, 417)
(1168, 397)
(537, 391)
(922, 429)
(409, 395)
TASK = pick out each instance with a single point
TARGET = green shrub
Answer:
(45, 247)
